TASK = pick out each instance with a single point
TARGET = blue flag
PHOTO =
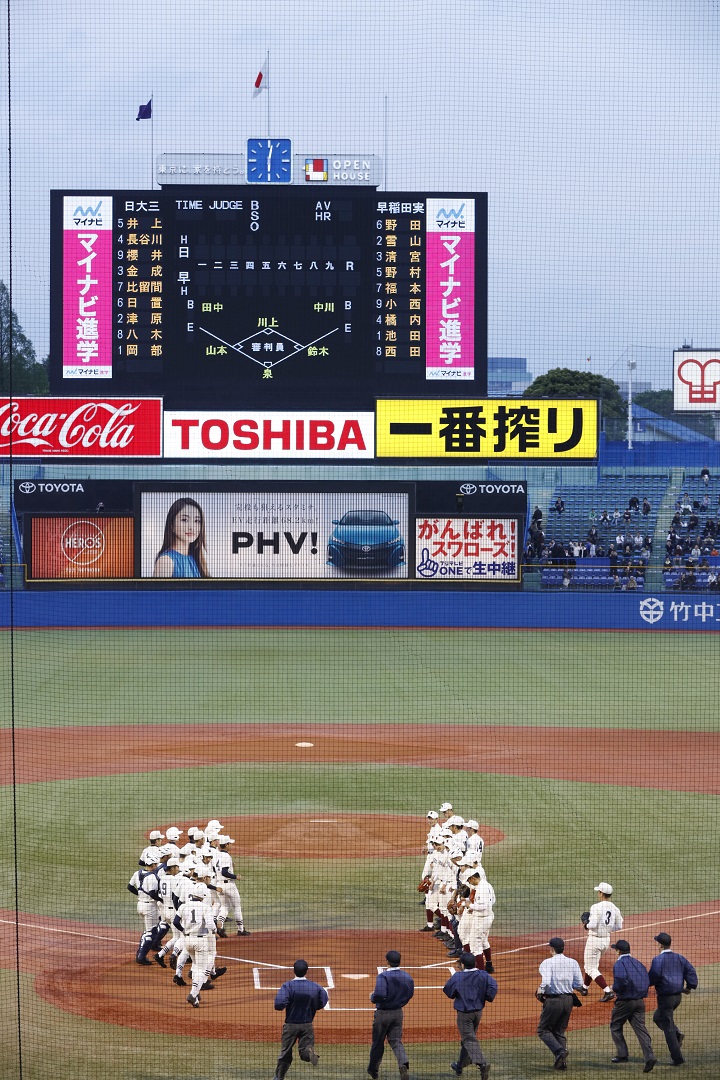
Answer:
(145, 111)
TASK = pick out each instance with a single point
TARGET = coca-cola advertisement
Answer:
(81, 427)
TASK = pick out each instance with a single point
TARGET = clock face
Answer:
(269, 161)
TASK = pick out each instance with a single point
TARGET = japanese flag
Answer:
(261, 82)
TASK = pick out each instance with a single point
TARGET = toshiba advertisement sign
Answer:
(81, 547)
(254, 435)
(81, 427)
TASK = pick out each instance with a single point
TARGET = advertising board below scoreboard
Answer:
(81, 548)
(487, 428)
(81, 427)
(269, 435)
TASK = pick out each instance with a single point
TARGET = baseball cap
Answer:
(621, 945)
(469, 873)
(200, 891)
(173, 861)
(472, 824)
(445, 806)
(433, 814)
(604, 887)
(194, 831)
(173, 833)
(166, 849)
(664, 939)
(156, 835)
(201, 870)
(214, 824)
(455, 820)
(188, 849)
(223, 840)
(556, 943)
(151, 858)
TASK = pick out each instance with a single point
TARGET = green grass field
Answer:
(571, 678)
(78, 840)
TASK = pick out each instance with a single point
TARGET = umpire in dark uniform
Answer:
(630, 986)
(469, 989)
(300, 999)
(672, 976)
(393, 990)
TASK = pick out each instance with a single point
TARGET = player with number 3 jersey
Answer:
(604, 918)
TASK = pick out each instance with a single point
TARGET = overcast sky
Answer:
(593, 128)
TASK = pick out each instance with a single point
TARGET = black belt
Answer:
(569, 994)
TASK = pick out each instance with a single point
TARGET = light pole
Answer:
(631, 368)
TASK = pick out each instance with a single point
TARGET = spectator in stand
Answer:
(529, 553)
(705, 503)
(685, 503)
(566, 579)
(592, 517)
(627, 514)
(704, 564)
(539, 540)
(612, 555)
(693, 522)
(576, 550)
(712, 579)
(593, 534)
(600, 551)
(638, 540)
(537, 514)
(559, 506)
(646, 507)
(615, 581)
(647, 541)
(557, 553)
(705, 474)
(695, 550)
(604, 518)
(620, 539)
(615, 516)
(687, 579)
(631, 583)
(634, 504)
(667, 565)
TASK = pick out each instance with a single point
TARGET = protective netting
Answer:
(526, 743)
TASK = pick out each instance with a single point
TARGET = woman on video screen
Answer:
(182, 554)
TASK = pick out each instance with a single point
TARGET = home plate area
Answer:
(115, 990)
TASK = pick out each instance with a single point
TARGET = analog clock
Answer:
(269, 161)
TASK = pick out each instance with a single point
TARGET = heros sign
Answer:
(81, 548)
(274, 535)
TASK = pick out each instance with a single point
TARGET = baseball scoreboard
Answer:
(268, 298)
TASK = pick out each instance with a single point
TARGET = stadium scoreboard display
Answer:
(269, 298)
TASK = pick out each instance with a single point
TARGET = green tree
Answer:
(20, 370)
(661, 402)
(567, 383)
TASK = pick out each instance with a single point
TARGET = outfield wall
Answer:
(375, 608)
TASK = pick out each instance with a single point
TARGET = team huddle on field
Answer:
(459, 898)
(188, 892)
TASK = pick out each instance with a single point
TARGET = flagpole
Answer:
(152, 139)
(385, 149)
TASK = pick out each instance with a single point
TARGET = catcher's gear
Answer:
(425, 885)
(585, 918)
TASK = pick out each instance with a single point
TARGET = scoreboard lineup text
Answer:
(268, 298)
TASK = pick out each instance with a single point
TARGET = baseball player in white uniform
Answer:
(182, 887)
(480, 904)
(195, 921)
(145, 885)
(475, 844)
(604, 918)
(229, 896)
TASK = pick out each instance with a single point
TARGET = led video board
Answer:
(268, 298)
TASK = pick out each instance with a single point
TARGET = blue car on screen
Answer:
(366, 540)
